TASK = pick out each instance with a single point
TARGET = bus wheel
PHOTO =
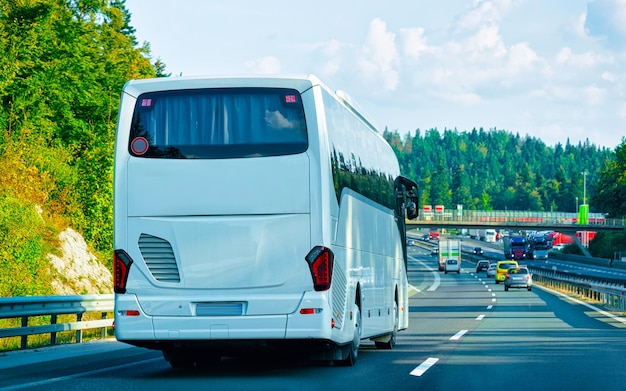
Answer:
(356, 340)
(391, 341)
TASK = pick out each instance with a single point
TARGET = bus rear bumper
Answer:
(133, 324)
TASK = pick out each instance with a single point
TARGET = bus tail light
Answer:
(121, 267)
(320, 260)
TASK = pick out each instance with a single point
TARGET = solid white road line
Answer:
(423, 367)
(437, 281)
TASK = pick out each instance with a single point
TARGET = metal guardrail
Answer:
(79, 305)
(610, 296)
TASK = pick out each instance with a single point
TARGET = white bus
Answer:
(255, 212)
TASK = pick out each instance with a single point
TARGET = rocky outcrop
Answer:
(79, 271)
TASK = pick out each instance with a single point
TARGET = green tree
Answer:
(440, 193)
(462, 193)
(611, 194)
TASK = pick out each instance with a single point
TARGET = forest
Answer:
(497, 170)
(63, 67)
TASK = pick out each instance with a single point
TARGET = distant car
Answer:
(434, 251)
(478, 250)
(502, 268)
(410, 242)
(518, 277)
(452, 265)
(482, 266)
(425, 237)
(491, 272)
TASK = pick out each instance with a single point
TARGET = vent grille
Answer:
(159, 257)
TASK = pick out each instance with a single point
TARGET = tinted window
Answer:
(218, 123)
(359, 158)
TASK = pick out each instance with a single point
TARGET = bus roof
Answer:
(299, 82)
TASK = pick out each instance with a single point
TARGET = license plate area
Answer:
(220, 309)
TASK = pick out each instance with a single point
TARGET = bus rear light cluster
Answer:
(320, 260)
(129, 313)
(121, 267)
(310, 311)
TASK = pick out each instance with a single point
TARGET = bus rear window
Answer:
(218, 123)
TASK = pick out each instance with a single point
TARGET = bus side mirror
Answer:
(407, 194)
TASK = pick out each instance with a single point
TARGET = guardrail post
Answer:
(53, 335)
(79, 333)
(103, 332)
(24, 342)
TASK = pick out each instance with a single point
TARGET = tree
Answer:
(611, 194)
(462, 194)
(440, 193)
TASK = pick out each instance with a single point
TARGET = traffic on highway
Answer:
(465, 332)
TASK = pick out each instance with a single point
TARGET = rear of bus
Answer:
(213, 215)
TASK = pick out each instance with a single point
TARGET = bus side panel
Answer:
(373, 258)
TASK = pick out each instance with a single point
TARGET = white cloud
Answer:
(486, 42)
(521, 58)
(483, 12)
(585, 60)
(379, 56)
(608, 76)
(414, 42)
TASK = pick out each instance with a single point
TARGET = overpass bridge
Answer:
(520, 220)
(563, 222)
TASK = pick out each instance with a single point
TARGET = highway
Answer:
(466, 333)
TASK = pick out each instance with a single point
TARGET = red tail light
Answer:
(320, 260)
(121, 267)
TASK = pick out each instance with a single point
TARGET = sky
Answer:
(550, 69)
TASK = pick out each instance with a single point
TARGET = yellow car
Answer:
(502, 268)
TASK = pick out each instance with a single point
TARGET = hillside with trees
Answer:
(62, 69)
